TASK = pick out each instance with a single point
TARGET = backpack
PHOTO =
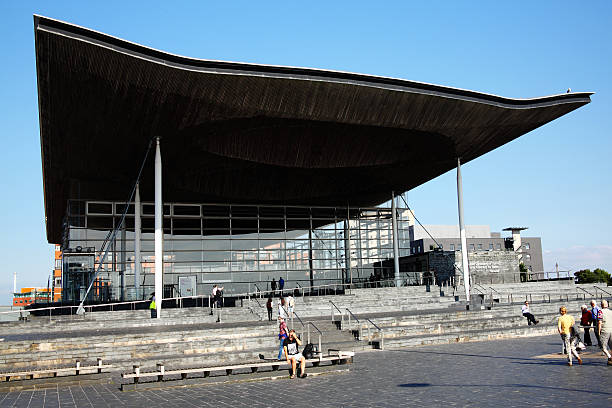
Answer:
(595, 314)
(308, 352)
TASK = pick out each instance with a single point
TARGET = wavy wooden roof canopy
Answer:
(245, 133)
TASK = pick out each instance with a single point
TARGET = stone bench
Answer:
(341, 357)
(55, 372)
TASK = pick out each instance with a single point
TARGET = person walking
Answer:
(282, 312)
(604, 329)
(290, 305)
(564, 328)
(273, 287)
(217, 295)
(282, 335)
(269, 307)
(281, 285)
(153, 307)
(595, 320)
(585, 322)
(527, 313)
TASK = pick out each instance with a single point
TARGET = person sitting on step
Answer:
(293, 354)
(527, 313)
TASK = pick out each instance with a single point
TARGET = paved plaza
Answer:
(509, 373)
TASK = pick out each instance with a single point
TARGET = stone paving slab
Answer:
(510, 373)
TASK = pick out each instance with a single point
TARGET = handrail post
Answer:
(308, 331)
(320, 349)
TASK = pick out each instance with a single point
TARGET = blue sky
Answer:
(555, 180)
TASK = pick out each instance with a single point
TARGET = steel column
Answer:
(464, 247)
(123, 261)
(159, 232)
(347, 253)
(395, 241)
(137, 237)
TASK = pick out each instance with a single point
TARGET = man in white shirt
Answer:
(527, 313)
(290, 305)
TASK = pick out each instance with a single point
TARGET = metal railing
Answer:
(333, 306)
(350, 326)
(308, 324)
(380, 331)
(307, 327)
(367, 325)
(601, 289)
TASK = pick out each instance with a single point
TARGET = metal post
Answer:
(347, 253)
(395, 241)
(310, 262)
(123, 261)
(464, 247)
(137, 237)
(159, 232)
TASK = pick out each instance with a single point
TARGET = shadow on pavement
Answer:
(542, 387)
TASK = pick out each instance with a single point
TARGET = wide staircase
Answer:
(359, 320)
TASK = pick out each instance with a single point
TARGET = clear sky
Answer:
(555, 180)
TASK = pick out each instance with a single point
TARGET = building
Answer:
(28, 296)
(246, 172)
(57, 275)
(479, 239)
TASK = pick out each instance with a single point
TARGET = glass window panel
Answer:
(242, 225)
(244, 211)
(99, 222)
(221, 211)
(149, 209)
(184, 209)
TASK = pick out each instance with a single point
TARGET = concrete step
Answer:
(474, 335)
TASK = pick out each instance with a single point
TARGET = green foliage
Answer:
(598, 275)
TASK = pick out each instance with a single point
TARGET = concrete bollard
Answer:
(137, 372)
(162, 370)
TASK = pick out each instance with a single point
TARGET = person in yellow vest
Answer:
(564, 327)
(153, 308)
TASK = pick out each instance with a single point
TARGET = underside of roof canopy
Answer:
(245, 133)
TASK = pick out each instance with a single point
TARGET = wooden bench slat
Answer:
(54, 370)
(341, 356)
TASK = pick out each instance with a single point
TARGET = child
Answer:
(573, 342)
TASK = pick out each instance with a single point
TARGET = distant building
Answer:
(27, 296)
(52, 293)
(479, 239)
(57, 275)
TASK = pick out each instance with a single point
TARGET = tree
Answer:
(598, 275)
(523, 269)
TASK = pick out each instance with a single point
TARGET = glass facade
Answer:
(241, 247)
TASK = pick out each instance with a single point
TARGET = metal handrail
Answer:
(584, 290)
(339, 311)
(298, 317)
(308, 324)
(90, 308)
(258, 290)
(349, 319)
(603, 290)
(382, 338)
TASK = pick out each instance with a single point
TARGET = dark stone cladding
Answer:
(247, 133)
